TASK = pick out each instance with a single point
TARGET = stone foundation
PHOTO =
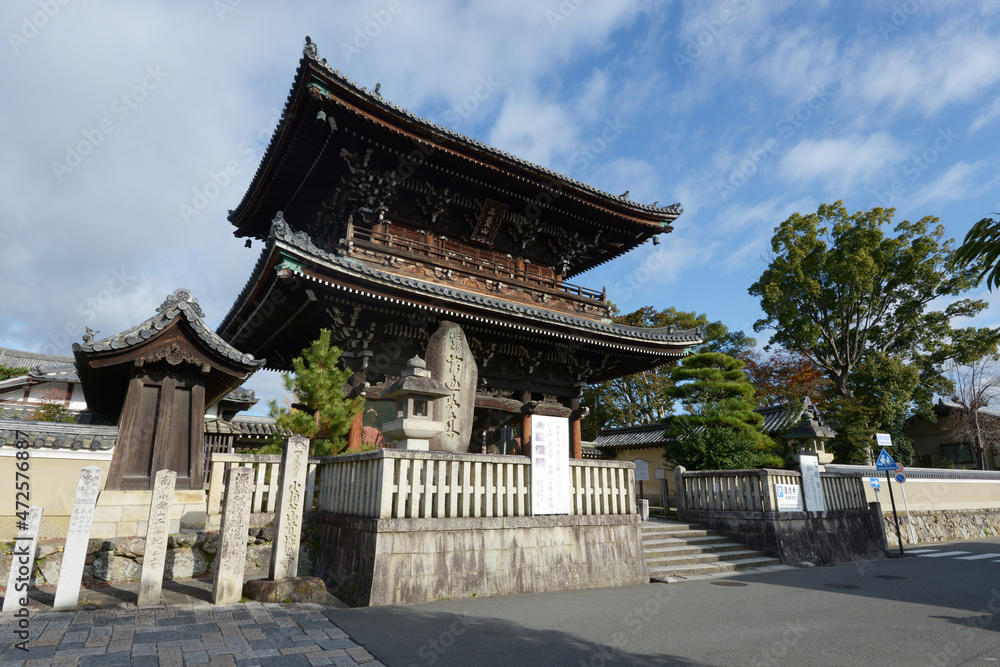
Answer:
(189, 555)
(943, 525)
(399, 561)
(821, 538)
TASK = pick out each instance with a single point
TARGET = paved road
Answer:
(910, 611)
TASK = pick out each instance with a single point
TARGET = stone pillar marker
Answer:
(77, 538)
(289, 509)
(449, 359)
(157, 530)
(227, 586)
(23, 561)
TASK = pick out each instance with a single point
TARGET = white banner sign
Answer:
(550, 492)
(789, 499)
(812, 487)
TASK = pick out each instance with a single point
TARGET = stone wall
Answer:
(821, 538)
(400, 561)
(189, 555)
(943, 525)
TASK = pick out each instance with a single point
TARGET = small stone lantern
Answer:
(811, 435)
(414, 392)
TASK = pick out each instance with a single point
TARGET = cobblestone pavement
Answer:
(253, 633)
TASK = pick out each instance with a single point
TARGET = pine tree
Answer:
(720, 430)
(319, 409)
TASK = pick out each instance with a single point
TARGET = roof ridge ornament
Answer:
(310, 49)
(181, 299)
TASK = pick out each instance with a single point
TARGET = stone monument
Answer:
(449, 359)
(283, 581)
(77, 538)
(231, 556)
(22, 561)
(157, 531)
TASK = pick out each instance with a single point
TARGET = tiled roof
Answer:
(21, 359)
(180, 303)
(282, 232)
(53, 435)
(310, 54)
(259, 426)
(777, 419)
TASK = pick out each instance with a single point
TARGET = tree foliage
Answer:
(981, 248)
(319, 410)
(784, 376)
(8, 372)
(720, 429)
(858, 303)
(639, 398)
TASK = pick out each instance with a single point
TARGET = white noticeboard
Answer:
(659, 473)
(883, 439)
(550, 492)
(641, 470)
(789, 498)
(812, 487)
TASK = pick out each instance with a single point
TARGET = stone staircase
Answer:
(676, 549)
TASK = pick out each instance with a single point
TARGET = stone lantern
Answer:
(414, 392)
(811, 435)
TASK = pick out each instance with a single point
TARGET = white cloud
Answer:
(985, 117)
(841, 163)
(959, 182)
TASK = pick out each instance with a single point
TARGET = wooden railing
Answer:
(401, 484)
(474, 263)
(754, 490)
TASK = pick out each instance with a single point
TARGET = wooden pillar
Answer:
(354, 435)
(526, 424)
(576, 439)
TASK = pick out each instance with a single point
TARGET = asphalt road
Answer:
(918, 610)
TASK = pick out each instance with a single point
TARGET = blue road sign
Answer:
(885, 462)
(876, 483)
(900, 477)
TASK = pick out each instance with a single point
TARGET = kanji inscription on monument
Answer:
(22, 561)
(158, 528)
(77, 538)
(451, 362)
(227, 587)
(288, 517)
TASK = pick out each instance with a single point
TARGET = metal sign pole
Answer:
(909, 519)
(895, 517)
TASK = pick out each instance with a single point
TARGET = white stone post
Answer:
(290, 506)
(77, 539)
(157, 530)
(230, 559)
(23, 561)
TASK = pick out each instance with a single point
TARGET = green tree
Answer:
(857, 302)
(319, 409)
(639, 398)
(8, 372)
(720, 430)
(981, 249)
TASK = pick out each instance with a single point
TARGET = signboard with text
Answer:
(812, 487)
(789, 498)
(550, 492)
(641, 470)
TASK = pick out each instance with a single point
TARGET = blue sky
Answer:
(128, 131)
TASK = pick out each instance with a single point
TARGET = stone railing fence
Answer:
(265, 480)
(753, 490)
(399, 484)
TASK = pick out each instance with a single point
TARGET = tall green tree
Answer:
(857, 301)
(639, 399)
(319, 409)
(719, 430)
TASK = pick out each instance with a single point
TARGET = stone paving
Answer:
(198, 633)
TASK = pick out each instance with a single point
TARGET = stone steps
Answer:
(678, 549)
